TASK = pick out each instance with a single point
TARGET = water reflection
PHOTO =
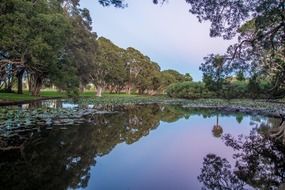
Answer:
(259, 160)
(217, 129)
(62, 157)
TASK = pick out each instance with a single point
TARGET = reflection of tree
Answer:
(260, 163)
(239, 117)
(278, 132)
(216, 174)
(61, 158)
(173, 113)
(217, 129)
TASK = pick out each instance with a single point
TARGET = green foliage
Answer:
(189, 90)
(230, 89)
(214, 72)
(51, 42)
(235, 89)
(260, 27)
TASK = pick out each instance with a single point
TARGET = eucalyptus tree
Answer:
(143, 73)
(107, 66)
(117, 77)
(147, 79)
(134, 59)
(166, 79)
(178, 76)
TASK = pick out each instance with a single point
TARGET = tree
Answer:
(178, 76)
(260, 26)
(106, 59)
(214, 72)
(143, 74)
(259, 160)
(81, 46)
(216, 174)
(33, 34)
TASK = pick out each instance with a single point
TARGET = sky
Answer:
(167, 33)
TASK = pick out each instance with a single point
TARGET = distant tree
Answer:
(143, 74)
(107, 66)
(214, 72)
(178, 76)
(240, 76)
(188, 77)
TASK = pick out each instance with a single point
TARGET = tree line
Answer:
(51, 42)
(255, 65)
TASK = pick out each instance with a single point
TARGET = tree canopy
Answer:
(53, 43)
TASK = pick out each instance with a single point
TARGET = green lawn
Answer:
(54, 94)
(15, 97)
(26, 96)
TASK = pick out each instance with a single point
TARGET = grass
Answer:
(48, 93)
(5, 97)
(15, 97)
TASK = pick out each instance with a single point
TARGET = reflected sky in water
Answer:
(134, 147)
(168, 158)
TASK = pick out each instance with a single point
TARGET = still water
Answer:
(141, 147)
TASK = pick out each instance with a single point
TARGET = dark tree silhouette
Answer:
(217, 174)
(259, 163)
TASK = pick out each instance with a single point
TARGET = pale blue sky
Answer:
(168, 34)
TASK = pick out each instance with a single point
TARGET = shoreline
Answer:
(245, 110)
(247, 106)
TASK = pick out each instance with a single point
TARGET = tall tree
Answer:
(214, 72)
(33, 34)
(107, 58)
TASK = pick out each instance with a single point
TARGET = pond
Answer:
(138, 147)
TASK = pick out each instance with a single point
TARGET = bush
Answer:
(189, 90)
(236, 89)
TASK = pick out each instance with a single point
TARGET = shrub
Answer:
(189, 90)
(236, 89)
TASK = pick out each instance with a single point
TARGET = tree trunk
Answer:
(36, 84)
(81, 87)
(129, 88)
(29, 83)
(141, 91)
(9, 86)
(99, 90)
(20, 81)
